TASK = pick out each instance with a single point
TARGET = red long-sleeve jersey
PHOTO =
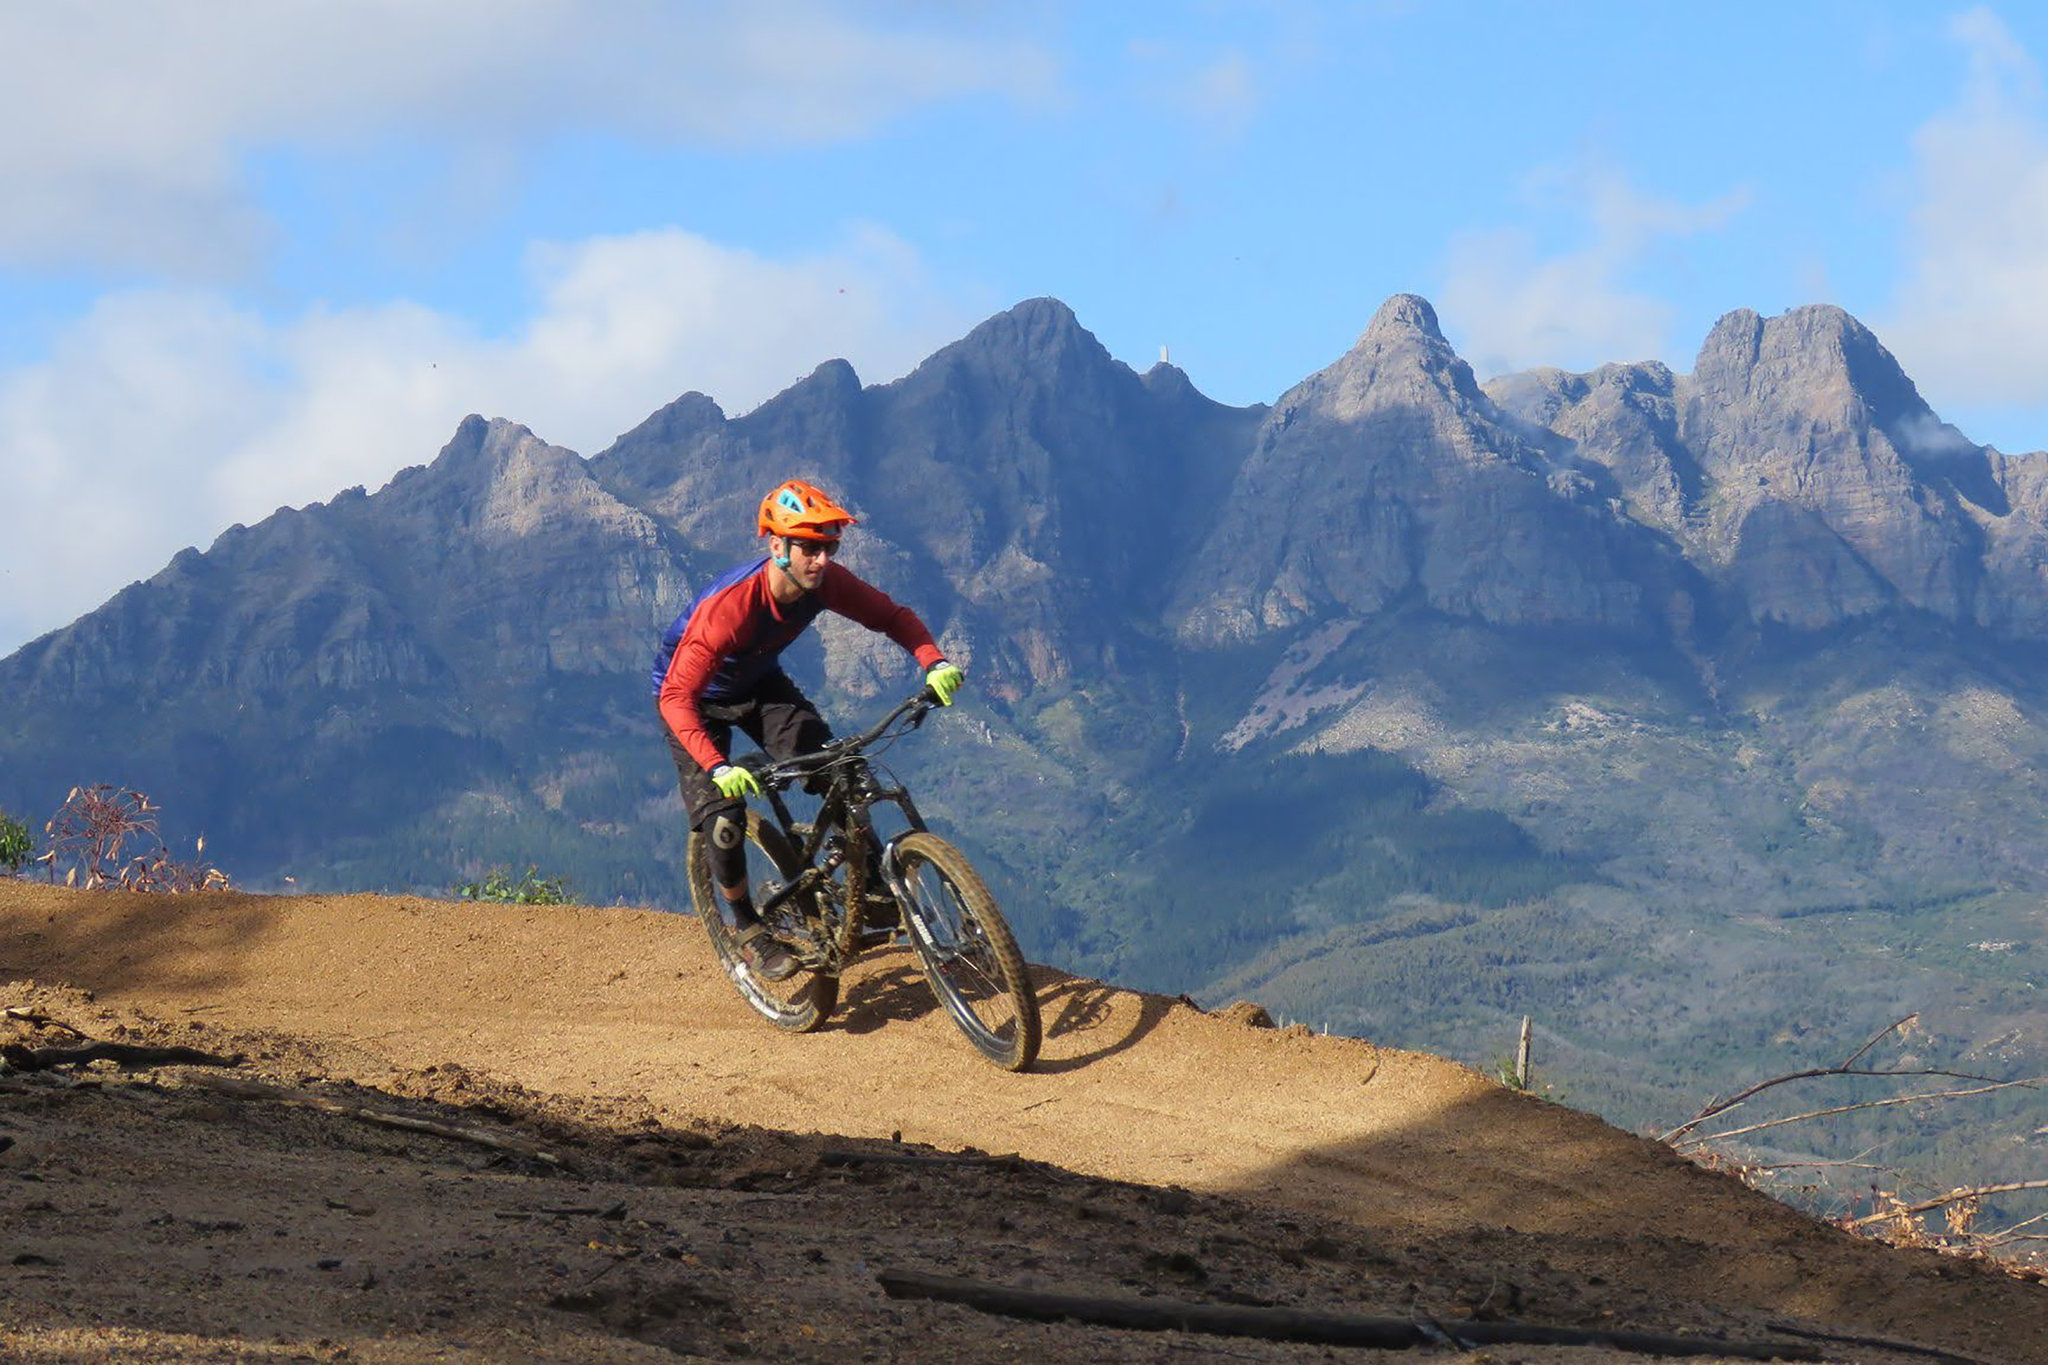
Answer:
(733, 635)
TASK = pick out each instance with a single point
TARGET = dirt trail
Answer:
(620, 1006)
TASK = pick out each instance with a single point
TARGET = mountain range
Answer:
(1698, 716)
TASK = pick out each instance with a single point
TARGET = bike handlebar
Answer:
(803, 765)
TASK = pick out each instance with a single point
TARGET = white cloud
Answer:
(1515, 306)
(166, 416)
(1967, 322)
(124, 128)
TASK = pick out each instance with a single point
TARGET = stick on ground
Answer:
(128, 1056)
(1289, 1324)
(304, 1099)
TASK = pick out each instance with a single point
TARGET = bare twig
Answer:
(303, 1099)
(23, 1014)
(1722, 1107)
(1952, 1197)
(1850, 1164)
(1878, 1036)
(2014, 1233)
(1864, 1104)
(1848, 1067)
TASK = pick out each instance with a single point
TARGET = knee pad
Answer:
(727, 832)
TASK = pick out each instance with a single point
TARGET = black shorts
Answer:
(775, 715)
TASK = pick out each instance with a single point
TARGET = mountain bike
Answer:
(832, 889)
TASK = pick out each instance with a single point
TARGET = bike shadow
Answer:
(894, 992)
(1085, 1020)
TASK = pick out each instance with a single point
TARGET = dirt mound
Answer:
(521, 1133)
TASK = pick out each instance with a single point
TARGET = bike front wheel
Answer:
(968, 953)
(803, 1001)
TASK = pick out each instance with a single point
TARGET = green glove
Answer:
(732, 780)
(944, 680)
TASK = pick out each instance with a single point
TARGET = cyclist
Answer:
(719, 667)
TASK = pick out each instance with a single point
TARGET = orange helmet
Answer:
(803, 510)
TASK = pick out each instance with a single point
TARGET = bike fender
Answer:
(892, 872)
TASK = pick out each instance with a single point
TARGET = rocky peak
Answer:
(1815, 356)
(814, 427)
(474, 456)
(1620, 417)
(835, 379)
(1389, 475)
(1400, 359)
(1831, 489)
(1402, 315)
(494, 479)
(1035, 326)
(687, 417)
(1038, 341)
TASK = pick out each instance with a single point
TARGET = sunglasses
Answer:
(816, 547)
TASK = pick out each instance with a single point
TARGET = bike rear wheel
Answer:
(968, 953)
(802, 1002)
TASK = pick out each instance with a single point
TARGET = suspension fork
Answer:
(892, 867)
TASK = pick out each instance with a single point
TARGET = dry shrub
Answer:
(106, 836)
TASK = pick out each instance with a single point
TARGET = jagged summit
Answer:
(833, 382)
(481, 441)
(693, 412)
(1401, 359)
(1038, 338)
(1407, 313)
(1818, 347)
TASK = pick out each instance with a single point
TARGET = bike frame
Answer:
(852, 790)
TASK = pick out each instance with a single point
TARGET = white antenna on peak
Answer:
(1162, 356)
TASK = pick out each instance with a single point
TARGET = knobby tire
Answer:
(969, 955)
(803, 1002)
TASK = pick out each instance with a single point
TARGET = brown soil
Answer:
(711, 1187)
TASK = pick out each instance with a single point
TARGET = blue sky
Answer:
(256, 253)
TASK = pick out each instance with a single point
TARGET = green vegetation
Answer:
(16, 846)
(530, 889)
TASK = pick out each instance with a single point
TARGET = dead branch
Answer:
(1851, 1164)
(1863, 1104)
(1952, 1197)
(127, 1056)
(610, 1213)
(305, 1099)
(850, 1158)
(1876, 1037)
(1847, 1068)
(1723, 1106)
(1882, 1343)
(1290, 1324)
(1719, 1106)
(2016, 1233)
(23, 1014)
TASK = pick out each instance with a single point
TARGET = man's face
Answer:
(807, 559)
